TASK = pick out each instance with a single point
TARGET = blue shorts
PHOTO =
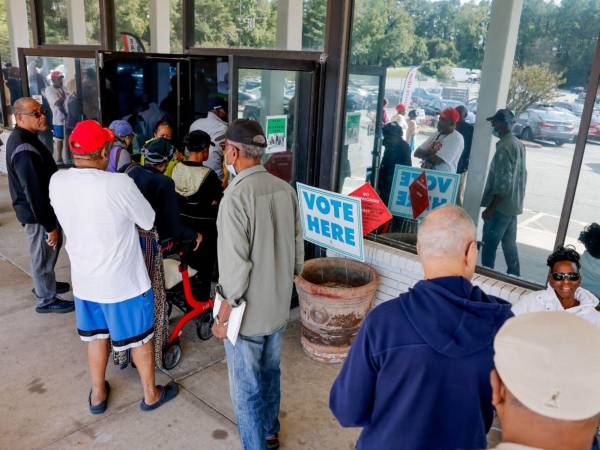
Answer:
(58, 131)
(129, 323)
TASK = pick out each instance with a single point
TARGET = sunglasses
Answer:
(37, 114)
(560, 276)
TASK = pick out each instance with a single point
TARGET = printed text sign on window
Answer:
(442, 188)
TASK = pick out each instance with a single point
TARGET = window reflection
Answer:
(66, 88)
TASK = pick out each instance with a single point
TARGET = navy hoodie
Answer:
(418, 374)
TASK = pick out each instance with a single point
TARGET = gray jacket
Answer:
(260, 248)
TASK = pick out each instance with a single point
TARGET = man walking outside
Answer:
(504, 194)
(215, 125)
(30, 166)
(99, 211)
(417, 375)
(260, 249)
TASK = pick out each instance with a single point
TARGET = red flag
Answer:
(374, 211)
(419, 196)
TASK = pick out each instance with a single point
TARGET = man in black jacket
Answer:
(30, 166)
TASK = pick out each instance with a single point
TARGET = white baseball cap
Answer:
(550, 361)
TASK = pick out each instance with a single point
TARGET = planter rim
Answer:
(337, 292)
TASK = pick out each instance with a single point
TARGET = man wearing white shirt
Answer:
(215, 125)
(113, 297)
(442, 150)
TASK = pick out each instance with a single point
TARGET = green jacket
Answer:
(507, 177)
(260, 248)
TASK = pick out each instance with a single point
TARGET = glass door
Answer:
(282, 96)
(364, 116)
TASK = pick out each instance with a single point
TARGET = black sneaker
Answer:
(62, 287)
(58, 306)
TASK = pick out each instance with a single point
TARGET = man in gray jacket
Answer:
(260, 250)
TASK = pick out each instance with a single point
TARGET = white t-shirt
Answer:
(52, 95)
(216, 129)
(98, 212)
(452, 147)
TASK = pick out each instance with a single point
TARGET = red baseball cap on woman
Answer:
(451, 114)
(400, 108)
(89, 137)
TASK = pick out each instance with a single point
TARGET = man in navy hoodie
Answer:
(417, 375)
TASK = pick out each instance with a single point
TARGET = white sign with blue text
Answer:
(331, 220)
(442, 188)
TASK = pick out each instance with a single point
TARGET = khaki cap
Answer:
(550, 361)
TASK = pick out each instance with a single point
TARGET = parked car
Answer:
(574, 107)
(546, 124)
(421, 96)
(437, 106)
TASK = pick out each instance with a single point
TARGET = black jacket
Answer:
(397, 153)
(30, 166)
(159, 190)
(466, 129)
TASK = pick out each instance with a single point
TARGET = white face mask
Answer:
(495, 133)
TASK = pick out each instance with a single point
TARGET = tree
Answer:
(471, 30)
(532, 84)
(383, 34)
(313, 24)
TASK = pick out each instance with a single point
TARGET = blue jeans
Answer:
(254, 379)
(501, 228)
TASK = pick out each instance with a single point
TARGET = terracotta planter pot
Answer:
(335, 295)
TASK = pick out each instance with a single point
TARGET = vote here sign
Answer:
(331, 220)
(442, 188)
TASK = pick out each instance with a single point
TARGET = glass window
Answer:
(66, 88)
(584, 224)
(133, 25)
(4, 41)
(176, 33)
(433, 56)
(260, 24)
(71, 22)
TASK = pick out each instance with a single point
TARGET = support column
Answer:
(289, 24)
(501, 42)
(16, 12)
(76, 21)
(160, 26)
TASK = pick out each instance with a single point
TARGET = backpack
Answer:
(113, 157)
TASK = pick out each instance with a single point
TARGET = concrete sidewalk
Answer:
(45, 385)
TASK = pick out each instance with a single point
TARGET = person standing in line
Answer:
(113, 295)
(399, 117)
(417, 375)
(30, 166)
(466, 130)
(56, 97)
(259, 239)
(564, 291)
(545, 383)
(119, 155)
(215, 125)
(443, 149)
(412, 130)
(504, 194)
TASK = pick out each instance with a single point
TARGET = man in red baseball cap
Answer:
(111, 287)
(443, 149)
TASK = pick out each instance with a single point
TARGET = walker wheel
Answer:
(172, 356)
(204, 325)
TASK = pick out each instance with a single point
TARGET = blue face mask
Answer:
(231, 170)
(495, 133)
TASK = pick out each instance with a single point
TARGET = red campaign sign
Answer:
(419, 196)
(374, 211)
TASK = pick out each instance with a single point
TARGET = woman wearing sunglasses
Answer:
(564, 291)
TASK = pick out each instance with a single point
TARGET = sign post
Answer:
(331, 220)
(442, 189)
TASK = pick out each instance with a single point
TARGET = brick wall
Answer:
(399, 270)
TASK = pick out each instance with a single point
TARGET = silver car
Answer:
(546, 124)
